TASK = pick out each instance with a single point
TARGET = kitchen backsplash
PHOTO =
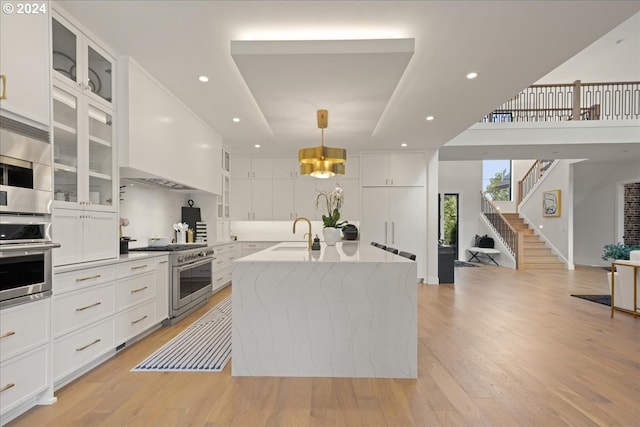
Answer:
(275, 230)
(153, 211)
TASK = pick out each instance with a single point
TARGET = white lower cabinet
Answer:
(249, 248)
(25, 357)
(23, 378)
(76, 350)
(224, 255)
(97, 309)
(134, 321)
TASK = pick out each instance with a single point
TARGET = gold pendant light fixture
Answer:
(321, 161)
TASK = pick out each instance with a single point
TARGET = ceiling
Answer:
(272, 64)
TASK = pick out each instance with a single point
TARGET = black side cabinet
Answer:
(446, 256)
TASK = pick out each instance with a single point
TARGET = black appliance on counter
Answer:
(350, 232)
(190, 277)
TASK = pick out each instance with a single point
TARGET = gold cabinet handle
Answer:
(133, 291)
(139, 267)
(95, 304)
(82, 279)
(219, 262)
(3, 78)
(139, 320)
(7, 334)
(7, 387)
(230, 258)
(163, 262)
(218, 279)
(89, 345)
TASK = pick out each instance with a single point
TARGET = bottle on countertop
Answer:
(190, 236)
(315, 246)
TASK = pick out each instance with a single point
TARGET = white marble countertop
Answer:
(131, 256)
(345, 251)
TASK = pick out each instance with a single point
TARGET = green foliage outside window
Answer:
(495, 191)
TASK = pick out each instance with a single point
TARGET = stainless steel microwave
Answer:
(25, 273)
(25, 169)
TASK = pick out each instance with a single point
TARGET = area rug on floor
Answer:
(205, 346)
(600, 299)
(457, 263)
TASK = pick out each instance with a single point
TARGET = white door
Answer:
(240, 200)
(100, 235)
(407, 213)
(67, 231)
(374, 170)
(374, 220)
(406, 169)
(262, 199)
(283, 199)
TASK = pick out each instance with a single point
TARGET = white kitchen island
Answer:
(345, 311)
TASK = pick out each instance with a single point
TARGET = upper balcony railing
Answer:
(576, 101)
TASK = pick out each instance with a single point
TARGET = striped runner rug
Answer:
(203, 346)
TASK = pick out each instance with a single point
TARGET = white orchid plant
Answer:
(331, 202)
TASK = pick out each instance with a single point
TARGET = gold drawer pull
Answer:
(3, 78)
(133, 291)
(7, 387)
(82, 279)
(8, 334)
(95, 304)
(219, 262)
(139, 267)
(89, 345)
(139, 320)
(230, 258)
(163, 262)
(219, 279)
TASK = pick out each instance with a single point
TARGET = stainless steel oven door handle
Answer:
(194, 264)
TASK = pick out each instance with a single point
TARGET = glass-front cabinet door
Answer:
(65, 146)
(77, 62)
(100, 125)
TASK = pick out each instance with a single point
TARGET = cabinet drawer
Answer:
(135, 321)
(75, 350)
(221, 277)
(22, 378)
(135, 290)
(80, 279)
(219, 262)
(128, 269)
(22, 327)
(75, 310)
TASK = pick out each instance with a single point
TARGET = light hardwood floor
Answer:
(498, 348)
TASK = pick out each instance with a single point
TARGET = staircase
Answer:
(535, 255)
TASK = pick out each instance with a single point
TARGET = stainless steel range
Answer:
(191, 277)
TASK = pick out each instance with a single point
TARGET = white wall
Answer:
(464, 178)
(153, 211)
(595, 207)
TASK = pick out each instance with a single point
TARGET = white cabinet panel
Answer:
(23, 327)
(374, 223)
(240, 205)
(100, 236)
(304, 200)
(392, 170)
(285, 167)
(262, 199)
(76, 309)
(251, 168)
(24, 62)
(28, 375)
(283, 199)
(240, 167)
(351, 208)
(135, 290)
(81, 279)
(68, 231)
(132, 322)
(73, 351)
(162, 290)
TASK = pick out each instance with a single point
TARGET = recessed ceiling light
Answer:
(203, 78)
(404, 144)
(472, 75)
(429, 118)
(236, 119)
(257, 145)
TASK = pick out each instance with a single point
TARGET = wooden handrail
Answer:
(518, 250)
(495, 208)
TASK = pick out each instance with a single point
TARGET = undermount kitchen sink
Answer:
(290, 248)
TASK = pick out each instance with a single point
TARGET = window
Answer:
(496, 179)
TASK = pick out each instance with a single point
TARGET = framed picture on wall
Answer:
(551, 203)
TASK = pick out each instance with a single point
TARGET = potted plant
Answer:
(331, 202)
(614, 251)
(618, 251)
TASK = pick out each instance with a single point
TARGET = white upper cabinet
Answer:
(392, 170)
(251, 168)
(80, 63)
(24, 62)
(285, 167)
